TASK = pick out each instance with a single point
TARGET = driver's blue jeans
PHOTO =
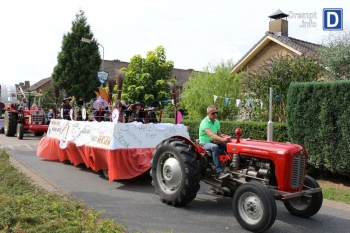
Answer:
(214, 148)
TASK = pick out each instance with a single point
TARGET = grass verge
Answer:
(335, 191)
(27, 208)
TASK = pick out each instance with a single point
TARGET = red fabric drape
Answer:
(121, 163)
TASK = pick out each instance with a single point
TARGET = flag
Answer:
(215, 97)
(178, 117)
(238, 101)
(226, 101)
(249, 101)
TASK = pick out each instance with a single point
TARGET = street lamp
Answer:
(270, 123)
(91, 41)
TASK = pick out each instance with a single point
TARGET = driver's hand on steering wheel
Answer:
(228, 139)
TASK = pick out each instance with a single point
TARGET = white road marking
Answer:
(30, 146)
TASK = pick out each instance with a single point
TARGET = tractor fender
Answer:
(196, 148)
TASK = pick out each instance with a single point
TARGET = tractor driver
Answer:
(210, 138)
(24, 103)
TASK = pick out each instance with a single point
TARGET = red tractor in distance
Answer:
(16, 122)
(17, 119)
(260, 173)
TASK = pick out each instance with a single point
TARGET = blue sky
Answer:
(195, 33)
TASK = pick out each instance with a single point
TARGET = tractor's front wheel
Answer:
(254, 207)
(10, 124)
(19, 131)
(175, 172)
(306, 206)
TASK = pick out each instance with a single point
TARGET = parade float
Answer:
(121, 150)
(125, 150)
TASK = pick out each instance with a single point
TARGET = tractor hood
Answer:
(264, 149)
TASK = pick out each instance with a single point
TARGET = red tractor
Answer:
(260, 173)
(16, 119)
(16, 122)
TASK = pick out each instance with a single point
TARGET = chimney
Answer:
(277, 24)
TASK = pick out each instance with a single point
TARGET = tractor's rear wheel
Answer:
(10, 123)
(254, 207)
(175, 172)
(306, 206)
(19, 131)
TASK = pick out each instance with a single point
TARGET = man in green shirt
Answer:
(210, 138)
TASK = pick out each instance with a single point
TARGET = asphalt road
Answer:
(134, 203)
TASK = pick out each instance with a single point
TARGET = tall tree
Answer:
(214, 82)
(335, 55)
(146, 78)
(78, 62)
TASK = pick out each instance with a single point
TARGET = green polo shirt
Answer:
(207, 124)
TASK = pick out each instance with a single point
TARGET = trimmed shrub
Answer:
(318, 118)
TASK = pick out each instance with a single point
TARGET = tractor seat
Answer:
(221, 152)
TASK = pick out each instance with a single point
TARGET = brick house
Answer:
(40, 85)
(275, 41)
(112, 66)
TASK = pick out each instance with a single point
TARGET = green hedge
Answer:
(319, 119)
(253, 130)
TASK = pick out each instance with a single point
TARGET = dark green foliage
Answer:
(253, 130)
(78, 62)
(279, 72)
(146, 78)
(168, 110)
(318, 118)
(26, 208)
